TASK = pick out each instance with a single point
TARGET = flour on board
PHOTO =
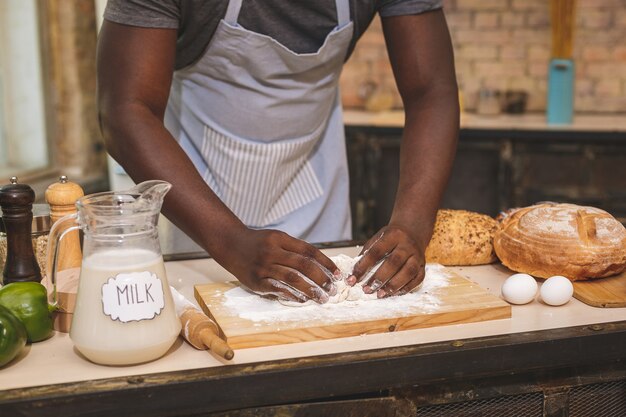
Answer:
(250, 306)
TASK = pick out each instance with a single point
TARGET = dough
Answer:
(345, 292)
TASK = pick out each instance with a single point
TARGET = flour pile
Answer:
(344, 292)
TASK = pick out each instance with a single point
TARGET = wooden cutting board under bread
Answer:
(602, 292)
(460, 301)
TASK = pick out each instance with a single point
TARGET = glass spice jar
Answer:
(40, 229)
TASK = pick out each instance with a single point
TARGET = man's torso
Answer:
(300, 25)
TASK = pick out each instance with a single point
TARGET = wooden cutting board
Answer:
(602, 292)
(459, 301)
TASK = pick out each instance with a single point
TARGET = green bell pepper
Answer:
(29, 302)
(12, 336)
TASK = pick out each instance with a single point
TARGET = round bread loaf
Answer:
(462, 238)
(549, 239)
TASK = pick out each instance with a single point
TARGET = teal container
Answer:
(560, 109)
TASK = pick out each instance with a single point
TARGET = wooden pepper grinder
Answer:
(16, 201)
(62, 196)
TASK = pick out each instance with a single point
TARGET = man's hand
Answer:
(402, 268)
(270, 262)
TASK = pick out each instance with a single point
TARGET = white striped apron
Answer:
(262, 124)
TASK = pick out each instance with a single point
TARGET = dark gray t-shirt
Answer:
(300, 25)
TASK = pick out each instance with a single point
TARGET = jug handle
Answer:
(58, 231)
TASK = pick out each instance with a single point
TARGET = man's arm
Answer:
(421, 55)
(135, 68)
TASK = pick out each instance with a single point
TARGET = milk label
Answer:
(133, 296)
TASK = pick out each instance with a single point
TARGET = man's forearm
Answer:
(421, 55)
(426, 157)
(137, 139)
(135, 67)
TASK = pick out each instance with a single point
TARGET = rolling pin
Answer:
(200, 331)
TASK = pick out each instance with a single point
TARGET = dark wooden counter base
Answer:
(538, 373)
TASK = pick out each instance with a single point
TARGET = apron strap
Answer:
(232, 13)
(343, 12)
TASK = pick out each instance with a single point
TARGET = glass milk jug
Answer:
(124, 311)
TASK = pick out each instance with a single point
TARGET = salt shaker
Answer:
(62, 196)
(16, 201)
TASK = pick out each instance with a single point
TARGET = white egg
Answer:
(556, 291)
(519, 289)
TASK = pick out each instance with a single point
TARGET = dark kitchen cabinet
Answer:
(494, 169)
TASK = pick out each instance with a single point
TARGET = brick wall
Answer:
(505, 44)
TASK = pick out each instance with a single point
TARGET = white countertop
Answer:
(56, 361)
